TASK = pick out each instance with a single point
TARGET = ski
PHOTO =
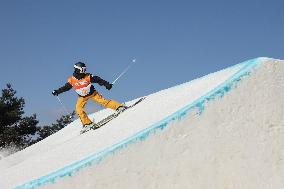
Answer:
(111, 117)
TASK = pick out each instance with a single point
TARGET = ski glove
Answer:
(108, 86)
(55, 93)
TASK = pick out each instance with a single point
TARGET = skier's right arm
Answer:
(63, 89)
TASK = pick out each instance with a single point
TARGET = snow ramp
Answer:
(224, 130)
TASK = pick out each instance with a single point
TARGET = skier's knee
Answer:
(79, 110)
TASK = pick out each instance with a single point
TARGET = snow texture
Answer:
(224, 130)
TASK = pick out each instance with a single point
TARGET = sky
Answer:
(173, 41)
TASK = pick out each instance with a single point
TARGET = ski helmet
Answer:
(80, 67)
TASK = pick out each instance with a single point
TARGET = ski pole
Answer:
(125, 70)
(64, 107)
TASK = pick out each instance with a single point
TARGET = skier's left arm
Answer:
(100, 81)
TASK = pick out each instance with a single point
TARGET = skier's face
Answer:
(81, 70)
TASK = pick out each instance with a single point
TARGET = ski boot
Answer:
(89, 127)
(121, 109)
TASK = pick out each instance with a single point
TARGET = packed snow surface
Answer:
(224, 130)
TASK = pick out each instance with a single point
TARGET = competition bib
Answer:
(82, 86)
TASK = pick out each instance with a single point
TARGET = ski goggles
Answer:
(82, 69)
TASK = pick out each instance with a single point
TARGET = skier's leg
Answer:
(106, 103)
(81, 111)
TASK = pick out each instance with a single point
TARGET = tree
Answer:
(19, 131)
(15, 129)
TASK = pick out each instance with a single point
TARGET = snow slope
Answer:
(224, 130)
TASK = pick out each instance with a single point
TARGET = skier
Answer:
(81, 82)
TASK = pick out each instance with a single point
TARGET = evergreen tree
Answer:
(15, 129)
(19, 131)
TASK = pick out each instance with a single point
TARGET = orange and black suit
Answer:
(82, 83)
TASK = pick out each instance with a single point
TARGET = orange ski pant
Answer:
(98, 98)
